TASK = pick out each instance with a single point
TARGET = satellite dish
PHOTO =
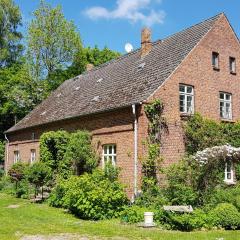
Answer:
(128, 47)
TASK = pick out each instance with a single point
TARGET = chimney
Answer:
(89, 67)
(146, 44)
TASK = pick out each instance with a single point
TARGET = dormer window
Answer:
(232, 65)
(215, 60)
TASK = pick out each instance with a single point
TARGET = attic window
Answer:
(232, 65)
(77, 88)
(99, 80)
(141, 66)
(96, 99)
(215, 60)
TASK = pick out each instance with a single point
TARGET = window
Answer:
(33, 136)
(232, 65)
(33, 155)
(109, 154)
(228, 172)
(16, 156)
(186, 99)
(225, 105)
(215, 60)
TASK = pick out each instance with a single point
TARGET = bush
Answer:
(38, 174)
(227, 194)
(188, 221)
(79, 153)
(133, 214)
(226, 215)
(90, 196)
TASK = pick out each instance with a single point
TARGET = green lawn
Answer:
(31, 219)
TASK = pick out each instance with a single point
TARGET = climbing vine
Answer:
(157, 125)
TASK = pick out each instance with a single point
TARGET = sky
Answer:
(113, 23)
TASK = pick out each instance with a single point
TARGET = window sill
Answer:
(227, 120)
(233, 73)
(185, 116)
(229, 182)
(216, 68)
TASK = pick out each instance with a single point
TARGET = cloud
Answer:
(132, 10)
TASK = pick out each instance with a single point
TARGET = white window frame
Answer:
(228, 172)
(186, 95)
(215, 60)
(16, 156)
(107, 156)
(232, 64)
(33, 155)
(224, 101)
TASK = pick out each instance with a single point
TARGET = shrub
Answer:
(80, 154)
(53, 146)
(90, 196)
(226, 215)
(17, 172)
(188, 221)
(133, 214)
(38, 174)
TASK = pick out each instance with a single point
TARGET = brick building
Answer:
(195, 70)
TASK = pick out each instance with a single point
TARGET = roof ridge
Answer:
(153, 43)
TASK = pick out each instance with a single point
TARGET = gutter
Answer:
(135, 189)
(7, 152)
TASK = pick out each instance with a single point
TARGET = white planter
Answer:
(148, 219)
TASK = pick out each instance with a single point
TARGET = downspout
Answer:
(7, 152)
(135, 190)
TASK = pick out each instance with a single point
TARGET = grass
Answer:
(31, 219)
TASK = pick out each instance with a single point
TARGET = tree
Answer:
(10, 37)
(2, 152)
(19, 93)
(38, 174)
(52, 40)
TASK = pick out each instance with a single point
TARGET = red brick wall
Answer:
(113, 127)
(197, 70)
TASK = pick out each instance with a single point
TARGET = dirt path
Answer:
(66, 237)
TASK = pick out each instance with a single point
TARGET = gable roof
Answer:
(119, 83)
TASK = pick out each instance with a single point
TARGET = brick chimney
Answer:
(146, 44)
(89, 67)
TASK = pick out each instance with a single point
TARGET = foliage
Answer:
(181, 188)
(17, 171)
(225, 215)
(156, 127)
(52, 41)
(202, 133)
(53, 146)
(10, 37)
(80, 154)
(38, 174)
(157, 123)
(188, 221)
(2, 153)
(90, 196)
(133, 214)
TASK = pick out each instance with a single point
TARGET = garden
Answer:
(67, 177)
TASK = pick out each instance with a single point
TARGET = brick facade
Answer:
(117, 126)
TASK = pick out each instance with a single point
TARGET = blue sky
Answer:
(113, 23)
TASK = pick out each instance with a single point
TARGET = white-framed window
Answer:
(33, 155)
(109, 154)
(225, 105)
(215, 60)
(186, 99)
(228, 178)
(16, 156)
(232, 64)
